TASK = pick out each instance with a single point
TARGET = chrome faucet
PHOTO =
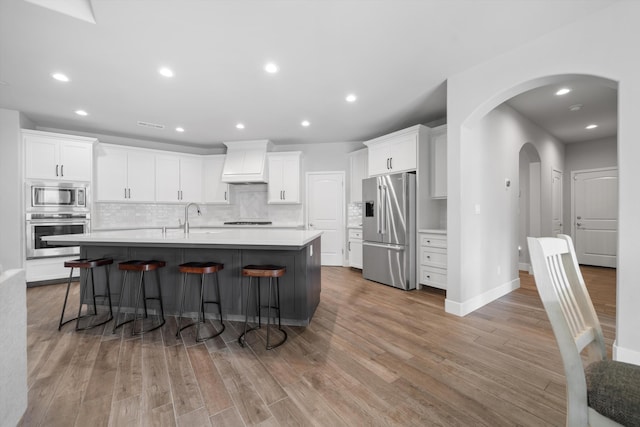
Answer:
(186, 216)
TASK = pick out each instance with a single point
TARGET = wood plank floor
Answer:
(373, 355)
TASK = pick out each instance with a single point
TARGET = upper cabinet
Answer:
(395, 152)
(124, 174)
(358, 171)
(58, 157)
(215, 191)
(439, 162)
(284, 177)
(178, 178)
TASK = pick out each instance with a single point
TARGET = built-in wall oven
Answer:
(55, 209)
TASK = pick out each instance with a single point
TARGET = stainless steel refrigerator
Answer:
(389, 230)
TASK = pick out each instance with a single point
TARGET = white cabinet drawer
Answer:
(433, 276)
(355, 234)
(433, 240)
(436, 257)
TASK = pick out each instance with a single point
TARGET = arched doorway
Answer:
(529, 201)
(488, 220)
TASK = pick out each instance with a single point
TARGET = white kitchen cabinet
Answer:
(124, 174)
(178, 178)
(284, 177)
(433, 259)
(395, 152)
(215, 191)
(355, 248)
(58, 157)
(358, 170)
(439, 162)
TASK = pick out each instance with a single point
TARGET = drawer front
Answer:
(432, 276)
(433, 240)
(436, 257)
(355, 234)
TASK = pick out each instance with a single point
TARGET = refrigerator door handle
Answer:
(378, 211)
(383, 207)
(396, 248)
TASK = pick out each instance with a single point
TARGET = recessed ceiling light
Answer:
(60, 77)
(591, 126)
(305, 123)
(179, 129)
(351, 98)
(575, 107)
(82, 113)
(240, 126)
(166, 72)
(563, 91)
(271, 68)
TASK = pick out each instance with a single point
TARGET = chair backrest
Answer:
(571, 313)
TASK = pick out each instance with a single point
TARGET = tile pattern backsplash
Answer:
(249, 203)
(354, 214)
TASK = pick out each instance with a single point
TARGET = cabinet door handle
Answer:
(390, 162)
(284, 194)
(428, 256)
(125, 193)
(129, 193)
(349, 247)
(57, 170)
(225, 195)
(387, 163)
(61, 170)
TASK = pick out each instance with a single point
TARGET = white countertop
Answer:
(202, 236)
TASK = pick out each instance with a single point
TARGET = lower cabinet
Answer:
(355, 248)
(433, 259)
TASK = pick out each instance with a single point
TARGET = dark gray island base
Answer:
(299, 287)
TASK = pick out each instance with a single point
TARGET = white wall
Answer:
(599, 153)
(12, 225)
(598, 45)
(492, 233)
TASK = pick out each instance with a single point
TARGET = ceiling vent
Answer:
(150, 125)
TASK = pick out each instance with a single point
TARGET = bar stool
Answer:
(258, 271)
(87, 264)
(141, 267)
(201, 268)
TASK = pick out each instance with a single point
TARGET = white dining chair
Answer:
(600, 392)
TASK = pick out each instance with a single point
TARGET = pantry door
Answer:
(325, 212)
(595, 216)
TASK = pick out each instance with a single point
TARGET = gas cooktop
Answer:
(247, 223)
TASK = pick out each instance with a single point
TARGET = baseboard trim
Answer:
(524, 266)
(463, 308)
(625, 355)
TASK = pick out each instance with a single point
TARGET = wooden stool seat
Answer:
(273, 273)
(263, 271)
(200, 267)
(141, 266)
(87, 264)
(137, 265)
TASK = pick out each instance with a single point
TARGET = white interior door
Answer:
(325, 212)
(595, 201)
(556, 203)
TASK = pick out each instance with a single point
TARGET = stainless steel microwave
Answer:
(58, 195)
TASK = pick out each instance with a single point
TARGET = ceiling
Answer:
(395, 55)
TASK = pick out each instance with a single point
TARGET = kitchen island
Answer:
(297, 250)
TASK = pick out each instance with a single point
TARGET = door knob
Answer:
(310, 225)
(579, 224)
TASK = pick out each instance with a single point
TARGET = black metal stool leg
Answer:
(277, 307)
(93, 289)
(184, 280)
(66, 296)
(83, 290)
(109, 292)
(219, 296)
(135, 310)
(201, 309)
(124, 281)
(159, 300)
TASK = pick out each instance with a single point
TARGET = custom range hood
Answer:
(246, 162)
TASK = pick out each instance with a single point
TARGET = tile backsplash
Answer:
(249, 203)
(354, 212)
